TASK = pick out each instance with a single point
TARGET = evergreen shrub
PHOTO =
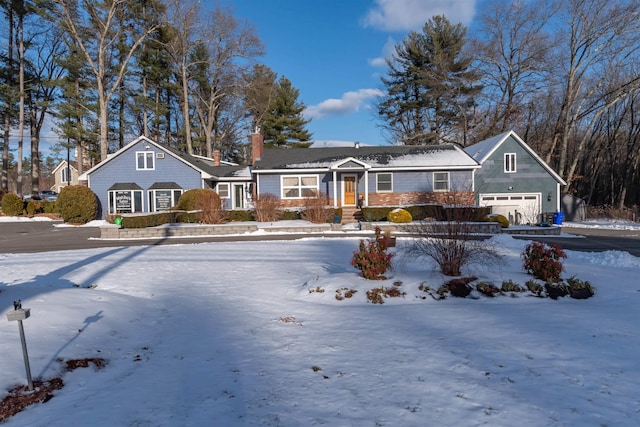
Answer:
(500, 219)
(373, 214)
(241, 216)
(77, 204)
(399, 216)
(12, 205)
(34, 207)
(289, 215)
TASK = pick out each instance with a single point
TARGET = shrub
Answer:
(534, 287)
(372, 258)
(543, 261)
(316, 209)
(399, 216)
(151, 220)
(375, 214)
(12, 205)
(239, 216)
(289, 215)
(511, 286)
(34, 207)
(49, 207)
(450, 244)
(204, 200)
(501, 219)
(487, 289)
(267, 208)
(77, 204)
(580, 289)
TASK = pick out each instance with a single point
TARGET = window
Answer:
(125, 201)
(223, 190)
(384, 182)
(64, 175)
(509, 162)
(298, 187)
(144, 160)
(163, 200)
(441, 181)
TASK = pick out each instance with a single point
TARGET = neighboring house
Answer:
(365, 175)
(64, 174)
(145, 176)
(514, 180)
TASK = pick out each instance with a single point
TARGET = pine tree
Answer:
(430, 86)
(283, 125)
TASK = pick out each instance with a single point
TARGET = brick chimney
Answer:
(216, 157)
(257, 146)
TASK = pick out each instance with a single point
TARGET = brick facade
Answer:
(465, 198)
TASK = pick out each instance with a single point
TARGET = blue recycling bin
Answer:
(558, 217)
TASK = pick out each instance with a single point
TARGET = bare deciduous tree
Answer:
(94, 28)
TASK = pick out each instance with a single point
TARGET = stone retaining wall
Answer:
(185, 230)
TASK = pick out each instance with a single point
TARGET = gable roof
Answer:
(63, 164)
(482, 150)
(447, 156)
(199, 163)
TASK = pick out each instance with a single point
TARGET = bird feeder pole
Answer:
(21, 314)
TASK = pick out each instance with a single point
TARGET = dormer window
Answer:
(509, 162)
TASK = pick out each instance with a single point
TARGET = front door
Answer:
(349, 190)
(238, 196)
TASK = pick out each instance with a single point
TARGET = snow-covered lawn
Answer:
(229, 334)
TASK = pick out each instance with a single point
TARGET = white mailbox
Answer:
(19, 314)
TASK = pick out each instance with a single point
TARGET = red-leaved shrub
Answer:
(544, 261)
(372, 258)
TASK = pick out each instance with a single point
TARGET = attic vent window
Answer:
(159, 155)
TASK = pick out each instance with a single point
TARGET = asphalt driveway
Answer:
(44, 236)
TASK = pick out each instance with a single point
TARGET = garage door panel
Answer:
(523, 208)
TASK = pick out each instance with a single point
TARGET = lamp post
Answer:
(21, 314)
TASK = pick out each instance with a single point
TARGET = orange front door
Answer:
(349, 190)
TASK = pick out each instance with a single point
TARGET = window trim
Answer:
(448, 182)
(510, 163)
(147, 157)
(175, 195)
(299, 186)
(63, 174)
(113, 207)
(378, 175)
(225, 184)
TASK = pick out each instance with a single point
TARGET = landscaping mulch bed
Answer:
(20, 396)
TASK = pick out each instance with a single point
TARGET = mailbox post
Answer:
(21, 314)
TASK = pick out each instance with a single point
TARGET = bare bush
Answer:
(317, 209)
(450, 243)
(267, 208)
(210, 207)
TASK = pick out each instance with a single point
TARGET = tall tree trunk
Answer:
(9, 106)
(185, 108)
(20, 43)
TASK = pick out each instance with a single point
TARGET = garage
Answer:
(523, 208)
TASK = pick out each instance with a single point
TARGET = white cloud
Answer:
(408, 15)
(348, 103)
(387, 50)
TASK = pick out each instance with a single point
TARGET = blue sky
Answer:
(333, 50)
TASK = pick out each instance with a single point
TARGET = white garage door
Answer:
(523, 208)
